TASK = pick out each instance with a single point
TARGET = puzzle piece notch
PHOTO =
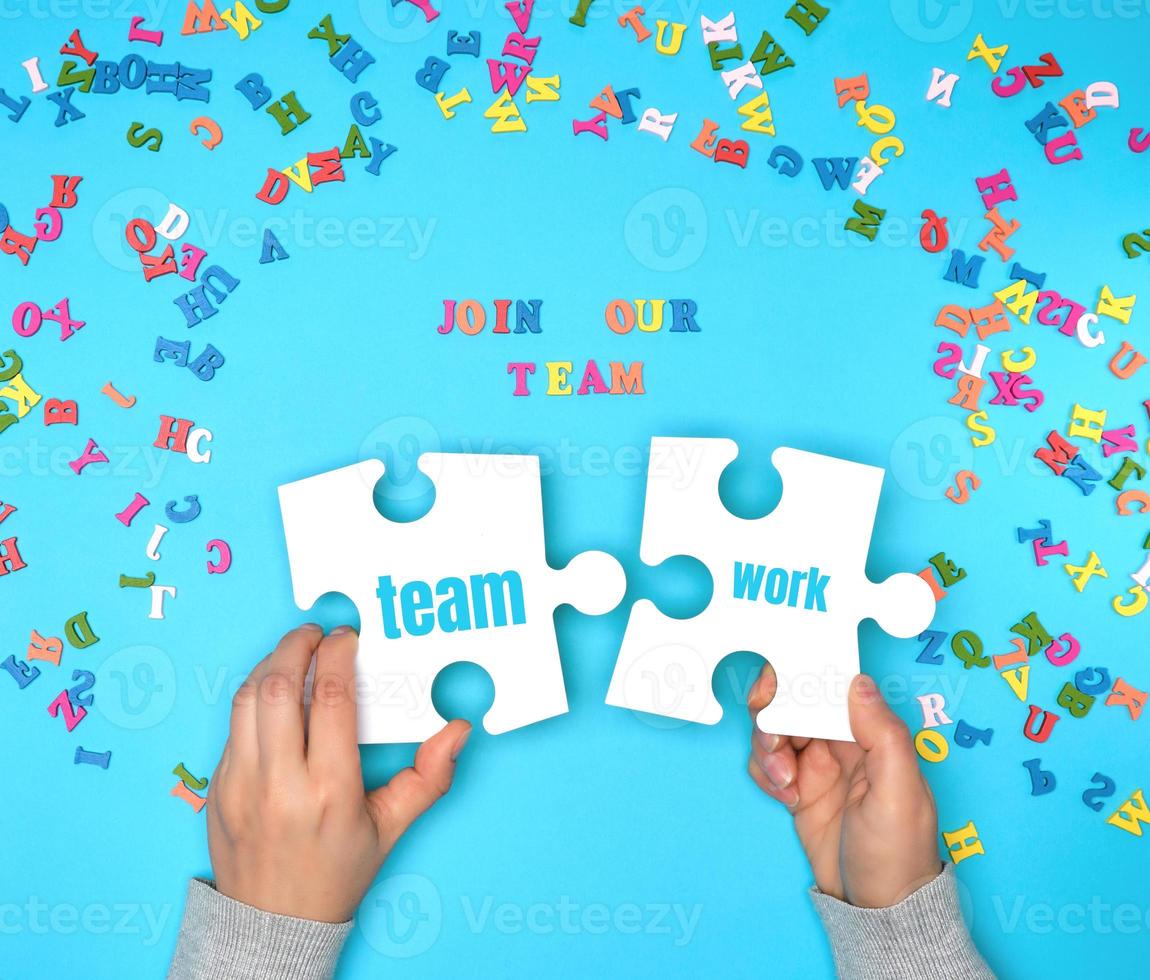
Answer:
(593, 581)
(823, 523)
(902, 604)
(486, 523)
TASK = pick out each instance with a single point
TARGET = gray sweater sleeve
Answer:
(922, 938)
(222, 939)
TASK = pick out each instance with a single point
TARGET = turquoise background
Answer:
(811, 337)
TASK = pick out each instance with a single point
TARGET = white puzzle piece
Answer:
(467, 582)
(808, 556)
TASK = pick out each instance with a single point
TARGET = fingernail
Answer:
(455, 752)
(767, 741)
(778, 771)
(866, 688)
(310, 626)
(340, 630)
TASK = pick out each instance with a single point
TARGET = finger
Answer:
(755, 771)
(279, 701)
(819, 767)
(214, 817)
(242, 740)
(847, 754)
(780, 765)
(770, 741)
(762, 691)
(884, 738)
(789, 797)
(332, 742)
(773, 741)
(225, 760)
(410, 793)
(761, 694)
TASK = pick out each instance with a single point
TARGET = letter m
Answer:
(962, 270)
(866, 220)
(494, 592)
(1060, 454)
(200, 20)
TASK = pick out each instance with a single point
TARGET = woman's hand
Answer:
(290, 827)
(864, 813)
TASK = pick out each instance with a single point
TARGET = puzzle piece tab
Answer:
(467, 582)
(791, 586)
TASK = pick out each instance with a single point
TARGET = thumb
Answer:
(412, 791)
(762, 691)
(888, 753)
